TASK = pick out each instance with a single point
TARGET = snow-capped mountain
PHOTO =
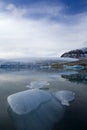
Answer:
(78, 53)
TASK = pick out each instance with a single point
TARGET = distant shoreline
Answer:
(82, 62)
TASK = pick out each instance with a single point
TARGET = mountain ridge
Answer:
(78, 53)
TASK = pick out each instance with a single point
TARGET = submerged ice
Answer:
(26, 101)
(65, 96)
(38, 84)
(35, 110)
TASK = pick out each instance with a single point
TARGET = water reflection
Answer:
(55, 76)
(78, 78)
(35, 110)
(40, 110)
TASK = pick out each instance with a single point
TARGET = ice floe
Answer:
(65, 96)
(37, 109)
(34, 110)
(24, 102)
(38, 84)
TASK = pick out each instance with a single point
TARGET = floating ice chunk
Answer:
(37, 84)
(26, 101)
(35, 110)
(65, 96)
(74, 67)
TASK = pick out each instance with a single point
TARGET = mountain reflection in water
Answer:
(78, 78)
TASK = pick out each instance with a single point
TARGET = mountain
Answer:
(78, 53)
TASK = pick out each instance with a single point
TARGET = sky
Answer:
(39, 28)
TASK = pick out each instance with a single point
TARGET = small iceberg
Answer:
(74, 67)
(45, 67)
(34, 110)
(38, 84)
(65, 96)
(26, 101)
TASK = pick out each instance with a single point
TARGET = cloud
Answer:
(13, 10)
(34, 10)
(29, 37)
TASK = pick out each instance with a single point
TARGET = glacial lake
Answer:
(28, 100)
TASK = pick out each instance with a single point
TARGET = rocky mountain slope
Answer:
(78, 53)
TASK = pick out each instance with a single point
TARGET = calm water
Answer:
(47, 113)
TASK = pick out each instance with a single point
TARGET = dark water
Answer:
(46, 113)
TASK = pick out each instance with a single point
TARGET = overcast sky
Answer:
(35, 28)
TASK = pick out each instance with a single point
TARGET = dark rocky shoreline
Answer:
(82, 62)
